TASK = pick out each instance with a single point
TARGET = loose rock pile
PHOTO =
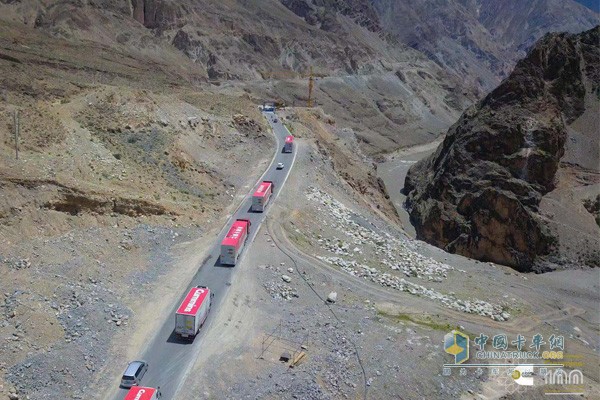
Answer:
(382, 249)
(280, 290)
(17, 263)
(474, 306)
(87, 314)
(397, 254)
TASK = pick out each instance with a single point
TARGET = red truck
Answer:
(261, 196)
(288, 147)
(193, 311)
(142, 393)
(234, 241)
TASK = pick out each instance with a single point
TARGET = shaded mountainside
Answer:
(479, 40)
(510, 180)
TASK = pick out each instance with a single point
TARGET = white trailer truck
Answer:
(234, 242)
(261, 196)
(193, 311)
(288, 147)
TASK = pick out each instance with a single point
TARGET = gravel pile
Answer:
(17, 263)
(281, 285)
(395, 255)
(85, 305)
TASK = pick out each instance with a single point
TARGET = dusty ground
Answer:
(117, 186)
(394, 335)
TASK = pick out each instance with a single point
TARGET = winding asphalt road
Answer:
(170, 358)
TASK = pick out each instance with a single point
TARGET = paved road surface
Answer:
(169, 358)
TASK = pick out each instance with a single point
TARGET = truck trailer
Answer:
(288, 147)
(193, 311)
(261, 196)
(142, 393)
(234, 241)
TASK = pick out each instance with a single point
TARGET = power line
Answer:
(329, 306)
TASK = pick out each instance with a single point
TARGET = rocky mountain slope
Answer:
(479, 40)
(373, 85)
(510, 182)
(396, 73)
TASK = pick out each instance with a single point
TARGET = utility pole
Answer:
(309, 102)
(16, 125)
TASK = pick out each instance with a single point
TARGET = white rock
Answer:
(332, 298)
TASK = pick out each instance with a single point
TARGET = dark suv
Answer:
(133, 373)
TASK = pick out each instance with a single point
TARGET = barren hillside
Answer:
(397, 73)
(119, 161)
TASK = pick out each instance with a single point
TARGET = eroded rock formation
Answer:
(479, 193)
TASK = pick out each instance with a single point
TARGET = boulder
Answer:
(332, 298)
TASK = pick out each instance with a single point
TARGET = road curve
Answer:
(169, 358)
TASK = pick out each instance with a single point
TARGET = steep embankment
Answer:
(507, 184)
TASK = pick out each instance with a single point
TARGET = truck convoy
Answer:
(234, 241)
(288, 147)
(193, 311)
(142, 393)
(261, 196)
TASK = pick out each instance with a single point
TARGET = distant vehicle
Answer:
(234, 242)
(275, 120)
(192, 312)
(268, 107)
(289, 144)
(261, 196)
(143, 393)
(133, 373)
(280, 165)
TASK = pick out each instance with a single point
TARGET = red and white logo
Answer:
(193, 300)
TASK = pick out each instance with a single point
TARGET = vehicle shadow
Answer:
(218, 264)
(175, 338)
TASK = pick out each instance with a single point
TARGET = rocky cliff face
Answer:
(479, 40)
(324, 13)
(480, 193)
